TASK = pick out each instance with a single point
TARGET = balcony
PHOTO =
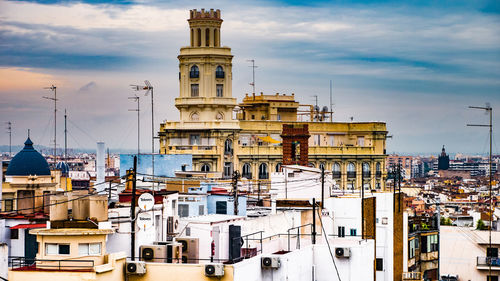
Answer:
(367, 174)
(336, 175)
(247, 176)
(351, 175)
(378, 174)
(412, 276)
(484, 263)
(26, 264)
(263, 176)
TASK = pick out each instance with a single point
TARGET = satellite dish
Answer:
(325, 109)
(144, 221)
(146, 201)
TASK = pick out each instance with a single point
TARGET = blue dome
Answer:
(63, 167)
(28, 162)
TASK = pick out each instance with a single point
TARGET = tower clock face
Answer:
(219, 116)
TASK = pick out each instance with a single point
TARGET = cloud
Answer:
(88, 87)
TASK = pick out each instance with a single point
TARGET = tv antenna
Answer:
(54, 89)
(9, 131)
(136, 99)
(253, 66)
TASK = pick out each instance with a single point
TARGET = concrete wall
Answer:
(242, 204)
(179, 272)
(4, 257)
(385, 236)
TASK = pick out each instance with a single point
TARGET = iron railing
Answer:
(487, 261)
(33, 264)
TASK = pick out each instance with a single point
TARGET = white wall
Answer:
(4, 258)
(304, 184)
(385, 235)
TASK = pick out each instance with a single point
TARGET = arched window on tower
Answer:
(351, 170)
(278, 168)
(366, 170)
(378, 172)
(246, 171)
(263, 173)
(198, 37)
(207, 37)
(219, 72)
(194, 72)
(216, 38)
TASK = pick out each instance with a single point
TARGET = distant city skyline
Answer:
(416, 67)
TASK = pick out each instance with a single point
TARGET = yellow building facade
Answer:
(225, 136)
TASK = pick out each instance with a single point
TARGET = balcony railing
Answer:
(487, 261)
(336, 175)
(247, 176)
(351, 175)
(263, 176)
(27, 264)
(366, 174)
(410, 276)
(219, 74)
(378, 174)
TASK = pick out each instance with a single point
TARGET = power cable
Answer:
(328, 244)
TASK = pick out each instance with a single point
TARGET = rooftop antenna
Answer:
(487, 109)
(54, 89)
(316, 107)
(136, 99)
(149, 89)
(253, 66)
(331, 102)
(65, 137)
(9, 131)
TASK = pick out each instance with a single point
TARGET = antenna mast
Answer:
(331, 102)
(9, 130)
(65, 137)
(54, 89)
(136, 99)
(253, 66)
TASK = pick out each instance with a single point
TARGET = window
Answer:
(194, 139)
(379, 264)
(429, 243)
(228, 169)
(56, 249)
(201, 210)
(221, 207)
(361, 141)
(194, 72)
(492, 252)
(219, 72)
(353, 231)
(219, 90)
(89, 249)
(14, 234)
(278, 168)
(317, 140)
(411, 248)
(492, 278)
(195, 90)
(205, 168)
(9, 205)
(385, 220)
(332, 140)
(351, 170)
(336, 170)
(246, 171)
(341, 231)
(263, 174)
(188, 231)
(228, 147)
(322, 166)
(183, 210)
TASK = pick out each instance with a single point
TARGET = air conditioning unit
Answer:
(270, 262)
(342, 252)
(172, 225)
(174, 252)
(153, 253)
(135, 267)
(214, 269)
(190, 249)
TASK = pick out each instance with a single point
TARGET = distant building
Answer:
(443, 160)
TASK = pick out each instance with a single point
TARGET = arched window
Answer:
(336, 170)
(278, 168)
(246, 171)
(378, 172)
(216, 38)
(228, 147)
(219, 72)
(198, 37)
(192, 37)
(366, 170)
(263, 173)
(311, 165)
(194, 72)
(205, 168)
(351, 170)
(207, 37)
(322, 166)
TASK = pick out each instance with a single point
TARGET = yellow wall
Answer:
(179, 272)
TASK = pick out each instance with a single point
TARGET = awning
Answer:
(29, 226)
(269, 139)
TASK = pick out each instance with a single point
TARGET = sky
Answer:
(416, 65)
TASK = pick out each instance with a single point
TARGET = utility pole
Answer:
(236, 175)
(136, 99)
(314, 222)
(253, 66)
(322, 187)
(399, 187)
(488, 109)
(65, 137)
(132, 211)
(54, 89)
(9, 130)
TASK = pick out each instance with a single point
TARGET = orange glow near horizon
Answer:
(24, 79)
